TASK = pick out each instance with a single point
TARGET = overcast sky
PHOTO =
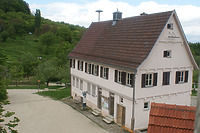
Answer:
(82, 12)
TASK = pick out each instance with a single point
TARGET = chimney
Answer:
(116, 16)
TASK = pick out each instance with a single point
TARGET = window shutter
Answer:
(155, 79)
(74, 63)
(97, 70)
(70, 62)
(101, 72)
(186, 76)
(78, 65)
(177, 76)
(123, 78)
(82, 65)
(89, 68)
(107, 72)
(132, 79)
(116, 72)
(165, 54)
(86, 67)
(143, 80)
(164, 78)
(168, 77)
(92, 68)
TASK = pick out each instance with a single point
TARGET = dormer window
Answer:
(167, 54)
(170, 26)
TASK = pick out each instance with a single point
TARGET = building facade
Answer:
(126, 64)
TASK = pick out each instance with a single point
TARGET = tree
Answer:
(4, 35)
(64, 74)
(37, 19)
(29, 64)
(16, 72)
(3, 92)
(47, 71)
(64, 34)
(47, 40)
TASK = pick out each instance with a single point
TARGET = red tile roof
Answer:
(167, 118)
(125, 45)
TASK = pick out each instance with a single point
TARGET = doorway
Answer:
(111, 104)
(121, 115)
(99, 98)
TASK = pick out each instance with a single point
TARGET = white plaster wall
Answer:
(156, 63)
(142, 116)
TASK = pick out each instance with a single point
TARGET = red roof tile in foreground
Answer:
(167, 118)
(125, 44)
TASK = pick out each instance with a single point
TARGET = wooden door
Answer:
(121, 114)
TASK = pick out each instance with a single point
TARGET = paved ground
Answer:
(42, 115)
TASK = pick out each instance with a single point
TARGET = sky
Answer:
(82, 12)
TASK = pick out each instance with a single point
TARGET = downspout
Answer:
(133, 109)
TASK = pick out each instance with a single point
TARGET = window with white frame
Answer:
(89, 68)
(119, 78)
(95, 70)
(73, 81)
(181, 77)
(146, 105)
(81, 84)
(80, 65)
(77, 83)
(149, 80)
(167, 54)
(128, 79)
(104, 72)
(88, 88)
(93, 90)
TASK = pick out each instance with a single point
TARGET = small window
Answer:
(73, 81)
(170, 26)
(167, 54)
(93, 90)
(77, 83)
(149, 80)
(88, 88)
(121, 100)
(81, 84)
(146, 105)
(95, 70)
(129, 79)
(80, 65)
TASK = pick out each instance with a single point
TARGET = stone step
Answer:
(96, 112)
(107, 121)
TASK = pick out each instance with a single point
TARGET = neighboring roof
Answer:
(167, 118)
(126, 44)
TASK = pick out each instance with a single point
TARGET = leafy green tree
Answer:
(47, 71)
(64, 34)
(29, 64)
(4, 35)
(3, 92)
(64, 74)
(16, 72)
(37, 19)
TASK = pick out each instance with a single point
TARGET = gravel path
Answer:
(42, 115)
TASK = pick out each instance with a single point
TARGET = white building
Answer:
(125, 64)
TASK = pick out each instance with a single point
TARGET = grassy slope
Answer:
(15, 48)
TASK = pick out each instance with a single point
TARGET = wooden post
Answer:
(197, 118)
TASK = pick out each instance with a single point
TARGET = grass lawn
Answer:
(57, 94)
(34, 87)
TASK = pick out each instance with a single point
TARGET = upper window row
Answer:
(150, 79)
(124, 78)
(91, 68)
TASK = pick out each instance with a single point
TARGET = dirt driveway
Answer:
(43, 115)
